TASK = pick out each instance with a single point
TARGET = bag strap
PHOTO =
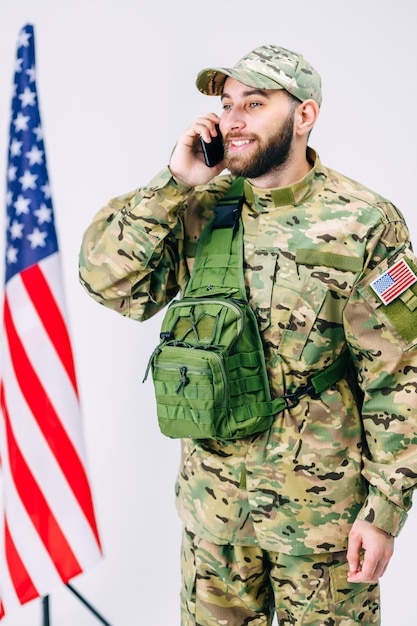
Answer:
(218, 265)
(320, 381)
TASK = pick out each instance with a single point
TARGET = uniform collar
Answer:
(264, 200)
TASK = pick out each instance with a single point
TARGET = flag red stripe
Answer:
(396, 292)
(22, 582)
(37, 507)
(399, 268)
(401, 273)
(45, 304)
(49, 423)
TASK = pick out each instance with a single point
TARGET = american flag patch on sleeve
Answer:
(394, 281)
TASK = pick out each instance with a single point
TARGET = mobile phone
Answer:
(213, 151)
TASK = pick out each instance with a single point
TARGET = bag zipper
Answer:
(195, 370)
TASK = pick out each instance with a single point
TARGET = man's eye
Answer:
(226, 107)
(254, 105)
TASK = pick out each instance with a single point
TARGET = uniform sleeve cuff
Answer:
(164, 178)
(380, 512)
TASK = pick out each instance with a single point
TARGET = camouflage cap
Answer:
(267, 67)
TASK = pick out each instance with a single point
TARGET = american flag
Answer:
(394, 281)
(50, 529)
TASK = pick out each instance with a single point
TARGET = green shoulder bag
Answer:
(209, 369)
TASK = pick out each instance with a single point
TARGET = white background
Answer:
(116, 88)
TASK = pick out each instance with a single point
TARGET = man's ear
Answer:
(305, 118)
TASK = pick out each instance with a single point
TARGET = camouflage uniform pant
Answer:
(243, 586)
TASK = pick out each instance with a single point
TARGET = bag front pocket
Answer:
(190, 389)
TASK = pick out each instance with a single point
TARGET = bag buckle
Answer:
(227, 213)
(292, 399)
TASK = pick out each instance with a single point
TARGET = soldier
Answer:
(300, 519)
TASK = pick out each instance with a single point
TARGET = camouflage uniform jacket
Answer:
(311, 251)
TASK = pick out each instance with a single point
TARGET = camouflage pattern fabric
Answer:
(239, 585)
(267, 67)
(311, 252)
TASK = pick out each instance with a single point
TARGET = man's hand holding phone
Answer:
(198, 154)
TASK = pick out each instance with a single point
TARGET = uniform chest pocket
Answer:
(287, 302)
(306, 305)
(308, 295)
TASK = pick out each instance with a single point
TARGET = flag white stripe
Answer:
(51, 269)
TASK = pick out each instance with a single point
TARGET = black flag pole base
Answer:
(88, 605)
(45, 607)
(45, 611)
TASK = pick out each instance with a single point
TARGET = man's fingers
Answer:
(354, 552)
(374, 546)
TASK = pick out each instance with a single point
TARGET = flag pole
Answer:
(45, 608)
(88, 605)
(45, 611)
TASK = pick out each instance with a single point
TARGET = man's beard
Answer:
(268, 156)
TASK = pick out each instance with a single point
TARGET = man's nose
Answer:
(234, 121)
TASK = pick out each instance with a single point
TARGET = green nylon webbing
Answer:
(218, 265)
